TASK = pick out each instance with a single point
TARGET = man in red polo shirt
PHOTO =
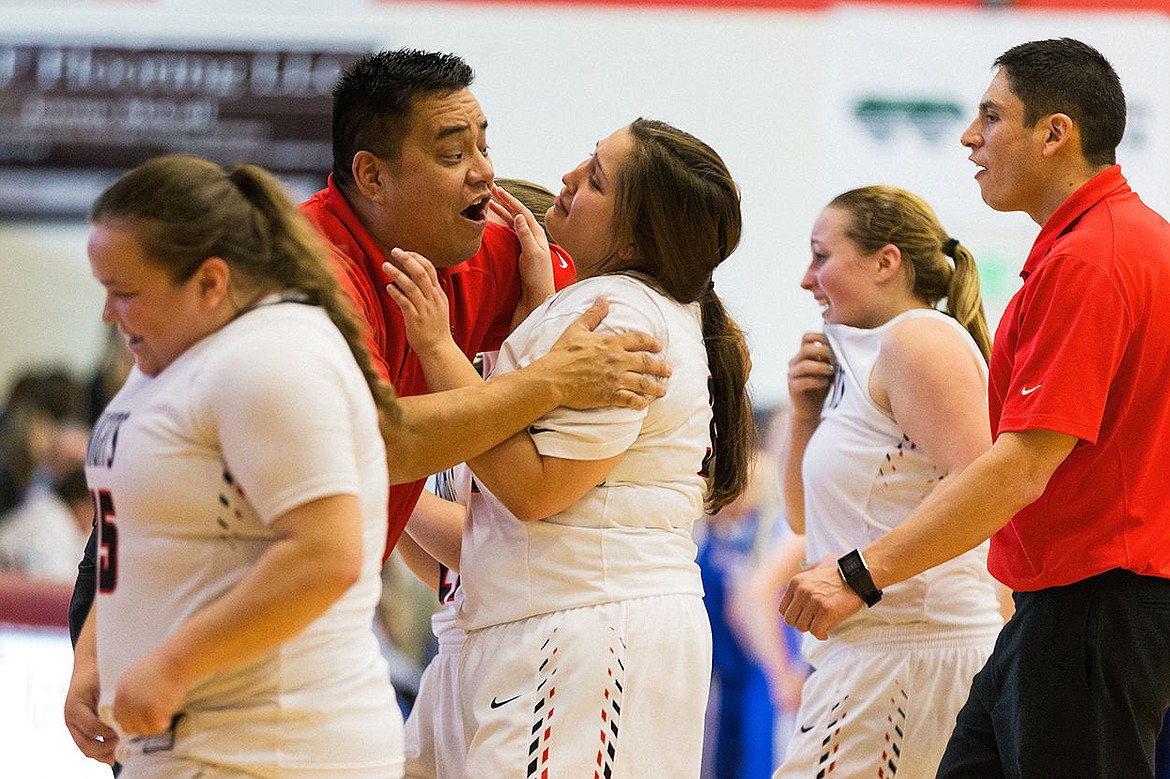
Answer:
(1073, 492)
(411, 171)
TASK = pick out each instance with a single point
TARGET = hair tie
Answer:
(948, 247)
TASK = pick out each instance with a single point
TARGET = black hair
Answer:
(1063, 75)
(373, 101)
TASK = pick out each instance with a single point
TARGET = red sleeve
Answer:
(403, 497)
(355, 285)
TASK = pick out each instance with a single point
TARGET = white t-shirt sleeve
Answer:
(592, 434)
(284, 417)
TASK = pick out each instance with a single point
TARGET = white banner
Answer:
(901, 86)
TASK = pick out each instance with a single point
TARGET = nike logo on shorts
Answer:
(1030, 390)
(497, 704)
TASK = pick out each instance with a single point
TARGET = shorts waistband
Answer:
(450, 639)
(916, 636)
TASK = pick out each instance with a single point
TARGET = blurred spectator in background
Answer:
(46, 514)
(110, 374)
(775, 645)
(746, 556)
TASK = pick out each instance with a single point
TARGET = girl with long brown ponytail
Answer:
(581, 591)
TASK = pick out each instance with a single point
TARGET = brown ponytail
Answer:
(883, 215)
(679, 206)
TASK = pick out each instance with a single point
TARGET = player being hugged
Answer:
(582, 595)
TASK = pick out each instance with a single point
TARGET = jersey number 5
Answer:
(107, 541)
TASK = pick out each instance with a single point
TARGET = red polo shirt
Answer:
(483, 293)
(1084, 349)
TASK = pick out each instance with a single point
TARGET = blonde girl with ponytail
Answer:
(889, 402)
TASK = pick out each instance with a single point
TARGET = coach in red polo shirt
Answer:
(411, 170)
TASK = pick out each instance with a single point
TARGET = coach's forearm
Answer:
(446, 428)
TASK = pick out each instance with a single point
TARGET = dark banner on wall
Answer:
(73, 117)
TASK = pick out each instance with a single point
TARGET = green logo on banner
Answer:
(882, 117)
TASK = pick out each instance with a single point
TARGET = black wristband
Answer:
(856, 574)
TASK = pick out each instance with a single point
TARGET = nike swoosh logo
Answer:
(563, 263)
(497, 704)
(805, 728)
(1030, 390)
